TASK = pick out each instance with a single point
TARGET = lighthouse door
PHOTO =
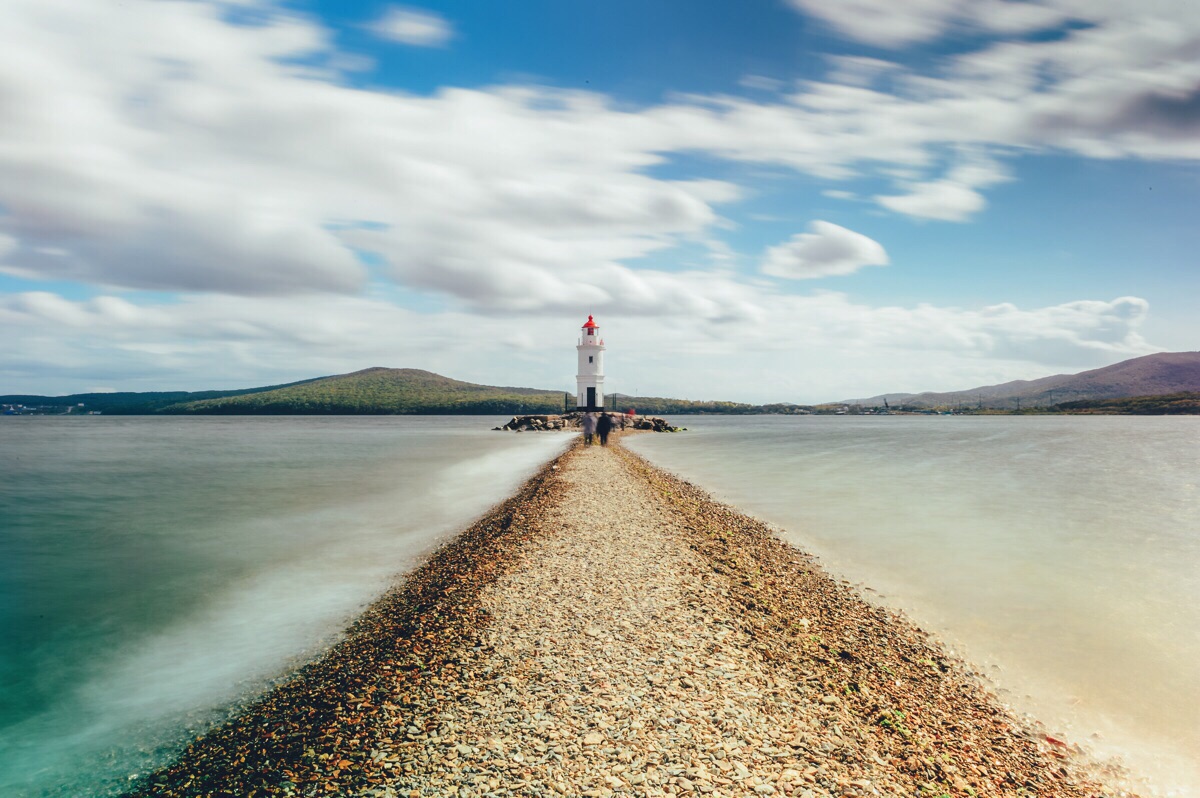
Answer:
(591, 398)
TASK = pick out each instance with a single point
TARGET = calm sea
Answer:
(1062, 554)
(154, 571)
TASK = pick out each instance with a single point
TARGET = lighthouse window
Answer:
(589, 358)
(591, 331)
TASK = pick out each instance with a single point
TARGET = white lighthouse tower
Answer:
(589, 380)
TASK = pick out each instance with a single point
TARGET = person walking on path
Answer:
(604, 426)
(588, 422)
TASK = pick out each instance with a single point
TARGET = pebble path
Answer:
(613, 631)
(611, 670)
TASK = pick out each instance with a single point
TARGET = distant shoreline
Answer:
(1139, 406)
(1166, 383)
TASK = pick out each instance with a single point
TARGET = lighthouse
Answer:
(589, 379)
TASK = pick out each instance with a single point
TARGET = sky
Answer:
(766, 201)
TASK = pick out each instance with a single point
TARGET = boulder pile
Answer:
(537, 423)
(654, 424)
(570, 422)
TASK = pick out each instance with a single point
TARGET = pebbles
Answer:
(612, 631)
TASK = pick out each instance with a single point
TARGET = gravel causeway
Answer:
(612, 631)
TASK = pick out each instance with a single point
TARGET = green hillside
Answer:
(381, 391)
(1186, 403)
(123, 403)
(657, 405)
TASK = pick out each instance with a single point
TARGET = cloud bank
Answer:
(797, 348)
(163, 146)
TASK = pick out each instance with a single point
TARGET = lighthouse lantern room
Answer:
(589, 380)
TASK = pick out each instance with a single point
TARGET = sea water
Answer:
(1062, 554)
(156, 571)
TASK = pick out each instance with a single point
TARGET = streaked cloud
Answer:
(209, 341)
(413, 26)
(946, 200)
(534, 201)
(172, 150)
(954, 198)
(890, 24)
(761, 83)
(828, 249)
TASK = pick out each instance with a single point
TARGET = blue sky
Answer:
(769, 201)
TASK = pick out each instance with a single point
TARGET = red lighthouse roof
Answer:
(590, 323)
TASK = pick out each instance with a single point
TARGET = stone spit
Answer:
(613, 631)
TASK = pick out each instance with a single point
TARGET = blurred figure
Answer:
(604, 426)
(588, 422)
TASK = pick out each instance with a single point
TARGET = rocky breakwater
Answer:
(612, 631)
(570, 421)
(540, 423)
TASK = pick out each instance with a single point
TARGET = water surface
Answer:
(1062, 553)
(153, 571)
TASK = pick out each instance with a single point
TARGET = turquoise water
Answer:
(1061, 553)
(154, 571)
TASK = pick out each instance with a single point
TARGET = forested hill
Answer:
(657, 405)
(124, 403)
(1172, 404)
(380, 391)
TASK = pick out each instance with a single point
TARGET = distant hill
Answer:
(1151, 375)
(1171, 404)
(127, 402)
(379, 391)
(655, 405)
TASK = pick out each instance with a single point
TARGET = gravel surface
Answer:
(613, 631)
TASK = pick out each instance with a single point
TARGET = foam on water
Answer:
(1063, 554)
(204, 558)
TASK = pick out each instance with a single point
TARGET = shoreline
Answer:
(876, 706)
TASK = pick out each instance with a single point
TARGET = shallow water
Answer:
(153, 571)
(1062, 553)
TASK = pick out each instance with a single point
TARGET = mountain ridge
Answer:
(1149, 375)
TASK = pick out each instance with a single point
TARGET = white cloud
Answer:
(213, 342)
(945, 200)
(883, 23)
(227, 169)
(156, 145)
(858, 70)
(952, 199)
(828, 250)
(170, 149)
(413, 26)
(761, 83)
(886, 23)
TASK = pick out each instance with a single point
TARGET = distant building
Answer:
(589, 379)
